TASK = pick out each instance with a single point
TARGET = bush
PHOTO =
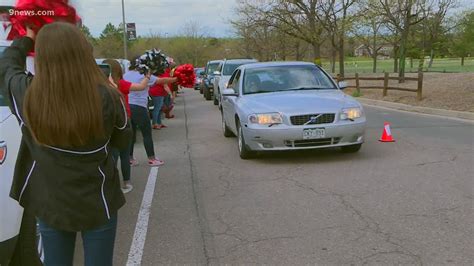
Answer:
(356, 94)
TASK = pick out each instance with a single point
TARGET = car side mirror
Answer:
(216, 73)
(229, 92)
(202, 73)
(342, 85)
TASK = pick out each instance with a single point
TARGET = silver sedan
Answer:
(289, 106)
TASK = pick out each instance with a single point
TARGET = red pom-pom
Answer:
(37, 13)
(186, 76)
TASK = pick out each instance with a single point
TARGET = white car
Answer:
(278, 106)
(124, 63)
(10, 138)
(223, 73)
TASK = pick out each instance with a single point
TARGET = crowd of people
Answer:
(136, 89)
(76, 125)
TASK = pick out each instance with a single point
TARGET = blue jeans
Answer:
(141, 119)
(98, 245)
(158, 103)
(167, 101)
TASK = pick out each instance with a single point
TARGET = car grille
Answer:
(299, 120)
(311, 142)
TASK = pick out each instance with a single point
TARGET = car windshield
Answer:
(230, 67)
(212, 67)
(285, 78)
(197, 71)
(2, 48)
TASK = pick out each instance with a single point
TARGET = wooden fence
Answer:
(386, 87)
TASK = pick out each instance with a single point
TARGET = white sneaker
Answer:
(127, 187)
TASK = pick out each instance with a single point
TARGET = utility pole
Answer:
(125, 55)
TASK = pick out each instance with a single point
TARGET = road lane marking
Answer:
(139, 236)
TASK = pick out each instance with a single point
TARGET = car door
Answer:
(10, 137)
(229, 102)
(217, 78)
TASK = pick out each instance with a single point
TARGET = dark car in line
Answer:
(207, 83)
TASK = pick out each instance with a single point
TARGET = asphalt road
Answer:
(403, 203)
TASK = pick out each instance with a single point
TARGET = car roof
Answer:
(214, 61)
(276, 64)
(240, 60)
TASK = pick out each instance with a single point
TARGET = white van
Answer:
(10, 137)
(11, 211)
(124, 63)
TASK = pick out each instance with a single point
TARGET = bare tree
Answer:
(296, 18)
(402, 15)
(262, 37)
(368, 30)
(337, 17)
(195, 35)
(434, 26)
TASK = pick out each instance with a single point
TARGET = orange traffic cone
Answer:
(387, 133)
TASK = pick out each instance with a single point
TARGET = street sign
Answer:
(131, 32)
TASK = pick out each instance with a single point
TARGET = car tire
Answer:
(201, 90)
(244, 151)
(351, 148)
(225, 129)
(207, 95)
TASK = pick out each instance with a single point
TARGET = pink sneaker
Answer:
(133, 162)
(155, 162)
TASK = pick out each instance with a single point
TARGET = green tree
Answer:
(402, 16)
(110, 42)
(85, 30)
(463, 41)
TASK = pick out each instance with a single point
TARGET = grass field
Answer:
(364, 65)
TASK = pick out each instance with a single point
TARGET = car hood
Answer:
(4, 113)
(299, 102)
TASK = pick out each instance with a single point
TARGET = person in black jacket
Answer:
(70, 117)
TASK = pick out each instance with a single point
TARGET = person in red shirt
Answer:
(116, 78)
(158, 92)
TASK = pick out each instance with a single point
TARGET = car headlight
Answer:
(351, 113)
(266, 119)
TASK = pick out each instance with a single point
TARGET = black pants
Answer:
(141, 119)
(26, 250)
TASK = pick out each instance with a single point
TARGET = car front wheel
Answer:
(351, 148)
(244, 151)
(225, 128)
(207, 94)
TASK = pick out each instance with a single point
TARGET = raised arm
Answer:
(166, 80)
(140, 86)
(13, 77)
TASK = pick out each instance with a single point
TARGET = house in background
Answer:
(384, 52)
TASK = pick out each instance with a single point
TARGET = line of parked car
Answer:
(278, 106)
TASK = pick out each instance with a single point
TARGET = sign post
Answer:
(125, 55)
(131, 32)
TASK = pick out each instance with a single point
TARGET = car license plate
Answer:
(314, 133)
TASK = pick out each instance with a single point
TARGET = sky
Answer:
(163, 17)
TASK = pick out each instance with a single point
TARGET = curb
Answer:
(418, 109)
